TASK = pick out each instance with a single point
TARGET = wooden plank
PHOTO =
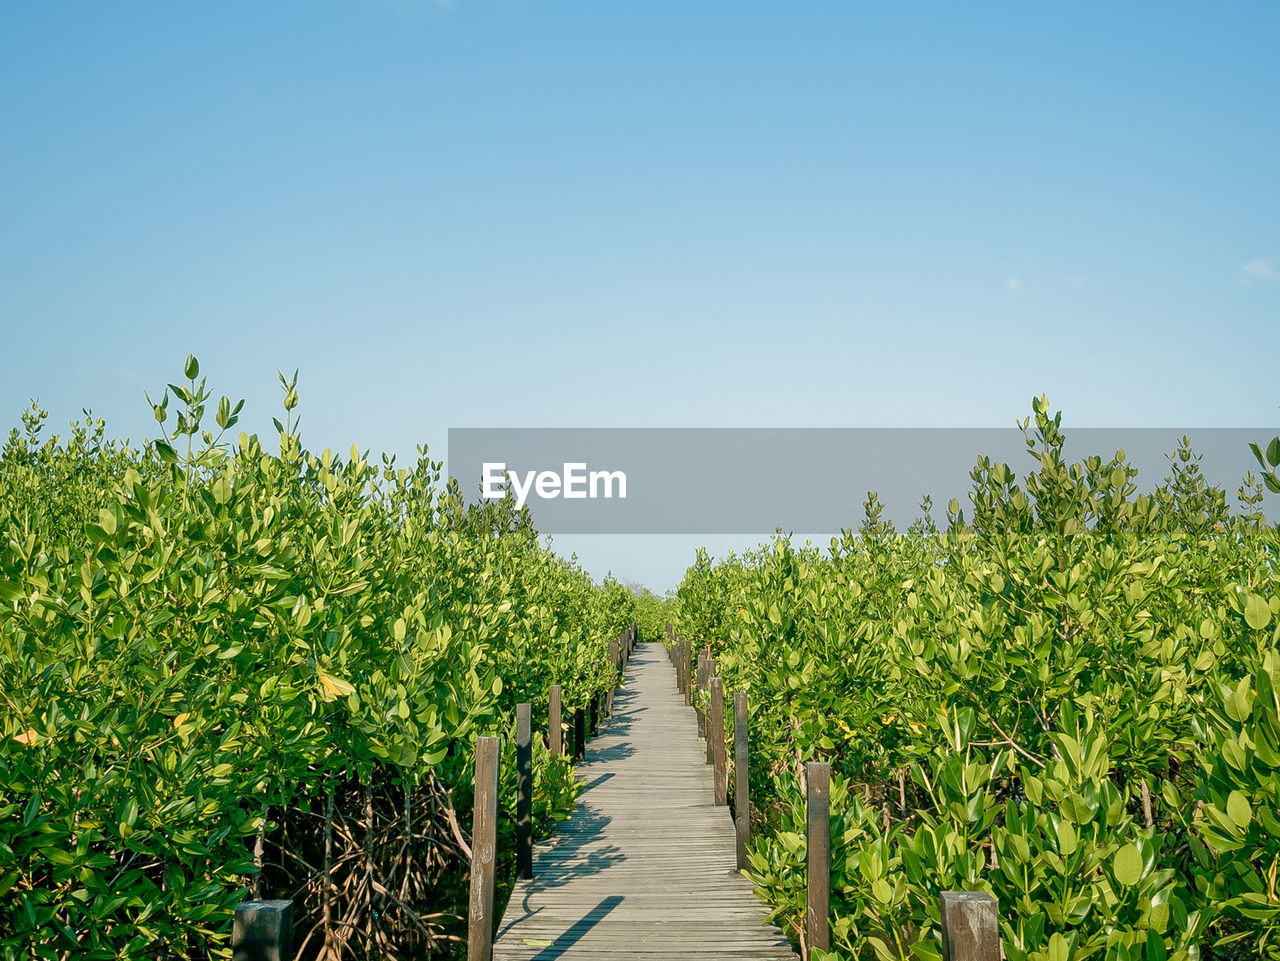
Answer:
(484, 829)
(818, 856)
(262, 931)
(970, 927)
(741, 781)
(524, 791)
(711, 672)
(720, 777)
(645, 868)
(555, 725)
(616, 660)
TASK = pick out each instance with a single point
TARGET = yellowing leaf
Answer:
(177, 721)
(28, 736)
(336, 685)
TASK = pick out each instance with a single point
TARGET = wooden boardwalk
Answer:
(644, 869)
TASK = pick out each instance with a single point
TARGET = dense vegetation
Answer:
(1068, 697)
(225, 670)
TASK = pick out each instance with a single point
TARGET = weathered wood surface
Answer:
(644, 869)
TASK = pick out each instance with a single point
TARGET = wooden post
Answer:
(711, 672)
(688, 667)
(818, 867)
(615, 660)
(524, 792)
(702, 682)
(595, 714)
(555, 724)
(579, 734)
(484, 842)
(262, 931)
(720, 778)
(741, 786)
(970, 931)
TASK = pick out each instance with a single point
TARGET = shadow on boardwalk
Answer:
(575, 932)
(644, 869)
(574, 854)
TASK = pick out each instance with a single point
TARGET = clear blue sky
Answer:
(646, 214)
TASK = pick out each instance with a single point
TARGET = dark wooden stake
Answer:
(970, 930)
(484, 843)
(741, 786)
(595, 714)
(719, 774)
(524, 791)
(579, 734)
(262, 931)
(555, 724)
(818, 867)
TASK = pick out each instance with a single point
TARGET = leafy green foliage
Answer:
(1067, 699)
(225, 670)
